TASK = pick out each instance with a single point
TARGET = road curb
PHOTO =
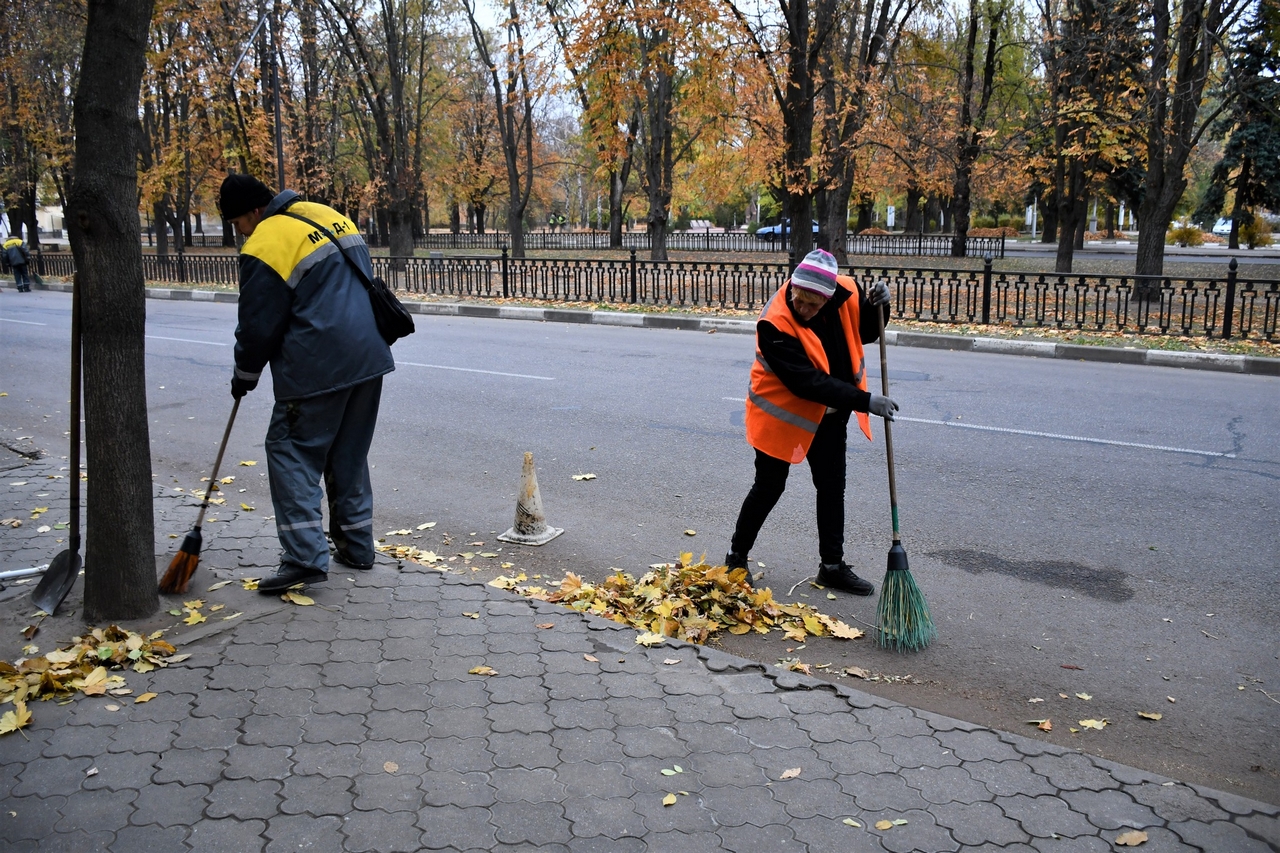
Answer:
(1225, 363)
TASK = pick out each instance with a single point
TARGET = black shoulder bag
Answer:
(393, 319)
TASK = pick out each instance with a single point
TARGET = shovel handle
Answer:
(217, 463)
(888, 425)
(77, 356)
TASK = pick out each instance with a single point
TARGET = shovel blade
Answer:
(57, 581)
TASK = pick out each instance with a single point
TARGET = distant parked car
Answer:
(773, 232)
(1222, 227)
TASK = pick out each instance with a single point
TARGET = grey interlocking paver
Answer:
(304, 832)
(243, 799)
(171, 804)
(355, 726)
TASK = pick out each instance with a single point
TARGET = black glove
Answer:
(240, 387)
(878, 293)
(882, 406)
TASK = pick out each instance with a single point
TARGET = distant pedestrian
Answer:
(808, 377)
(304, 310)
(16, 254)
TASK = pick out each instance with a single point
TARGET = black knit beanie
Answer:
(241, 194)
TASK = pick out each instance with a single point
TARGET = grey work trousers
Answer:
(325, 437)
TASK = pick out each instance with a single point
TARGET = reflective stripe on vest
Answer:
(778, 422)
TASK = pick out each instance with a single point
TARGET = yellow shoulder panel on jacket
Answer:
(282, 242)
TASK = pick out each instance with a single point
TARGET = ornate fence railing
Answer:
(906, 245)
(1214, 307)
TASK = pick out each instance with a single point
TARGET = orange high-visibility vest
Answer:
(778, 422)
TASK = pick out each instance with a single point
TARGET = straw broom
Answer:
(183, 565)
(902, 615)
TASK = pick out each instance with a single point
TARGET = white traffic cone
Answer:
(531, 525)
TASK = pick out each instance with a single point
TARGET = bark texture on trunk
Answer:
(120, 558)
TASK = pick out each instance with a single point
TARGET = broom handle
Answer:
(888, 429)
(217, 463)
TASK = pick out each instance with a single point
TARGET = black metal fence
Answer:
(1230, 306)
(906, 245)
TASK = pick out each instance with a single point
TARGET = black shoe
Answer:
(737, 561)
(287, 576)
(343, 558)
(840, 576)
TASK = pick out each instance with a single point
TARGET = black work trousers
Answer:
(826, 460)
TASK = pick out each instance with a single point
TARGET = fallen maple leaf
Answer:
(1094, 724)
(16, 719)
(649, 638)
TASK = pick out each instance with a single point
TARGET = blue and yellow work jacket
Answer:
(303, 309)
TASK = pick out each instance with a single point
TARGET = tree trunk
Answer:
(1238, 208)
(120, 559)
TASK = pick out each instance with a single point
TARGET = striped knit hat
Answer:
(817, 273)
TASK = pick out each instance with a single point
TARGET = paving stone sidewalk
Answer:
(355, 725)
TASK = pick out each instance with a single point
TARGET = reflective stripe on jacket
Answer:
(302, 308)
(778, 422)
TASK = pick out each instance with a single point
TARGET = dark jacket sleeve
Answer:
(787, 359)
(868, 327)
(265, 309)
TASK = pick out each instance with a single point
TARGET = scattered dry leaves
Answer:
(81, 667)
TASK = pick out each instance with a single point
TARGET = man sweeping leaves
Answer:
(305, 311)
(808, 377)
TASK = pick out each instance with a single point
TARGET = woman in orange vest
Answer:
(808, 377)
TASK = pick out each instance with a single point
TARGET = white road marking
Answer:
(189, 341)
(23, 322)
(474, 370)
(1061, 437)
(1037, 434)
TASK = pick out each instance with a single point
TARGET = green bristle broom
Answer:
(903, 616)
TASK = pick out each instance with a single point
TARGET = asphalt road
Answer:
(1113, 519)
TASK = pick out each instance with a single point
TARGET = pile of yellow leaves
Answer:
(80, 667)
(690, 601)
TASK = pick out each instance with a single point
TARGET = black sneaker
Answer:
(287, 576)
(737, 561)
(840, 576)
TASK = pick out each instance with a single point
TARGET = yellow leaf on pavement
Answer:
(16, 719)
(298, 598)
(1148, 715)
(790, 774)
(585, 477)
(851, 822)
(884, 824)
(691, 533)
(1085, 696)
(1132, 838)
(248, 463)
(145, 697)
(195, 617)
(669, 800)
(426, 525)
(482, 670)
(649, 638)
(1094, 724)
(246, 507)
